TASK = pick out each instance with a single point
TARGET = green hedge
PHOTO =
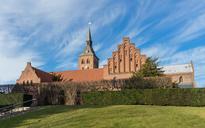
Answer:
(11, 98)
(172, 97)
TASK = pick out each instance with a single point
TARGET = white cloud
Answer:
(12, 61)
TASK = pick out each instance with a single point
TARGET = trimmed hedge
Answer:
(11, 98)
(171, 97)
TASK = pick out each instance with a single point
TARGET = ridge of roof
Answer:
(44, 76)
(82, 75)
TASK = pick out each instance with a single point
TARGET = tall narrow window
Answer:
(180, 79)
(82, 62)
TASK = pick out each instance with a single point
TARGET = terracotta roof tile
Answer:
(82, 75)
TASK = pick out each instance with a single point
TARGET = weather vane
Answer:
(89, 23)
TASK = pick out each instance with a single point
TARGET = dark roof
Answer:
(44, 76)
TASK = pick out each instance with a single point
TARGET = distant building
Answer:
(182, 74)
(33, 75)
(123, 62)
(6, 88)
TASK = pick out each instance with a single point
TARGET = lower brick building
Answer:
(123, 62)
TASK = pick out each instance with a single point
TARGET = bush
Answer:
(171, 97)
(148, 83)
(11, 98)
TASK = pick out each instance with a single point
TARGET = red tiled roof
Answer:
(44, 76)
(82, 75)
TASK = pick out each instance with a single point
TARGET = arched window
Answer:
(180, 79)
(88, 61)
(82, 62)
(136, 65)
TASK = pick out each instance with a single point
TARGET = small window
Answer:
(82, 62)
(180, 79)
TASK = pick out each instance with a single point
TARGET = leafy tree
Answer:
(57, 77)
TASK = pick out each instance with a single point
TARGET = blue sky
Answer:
(51, 34)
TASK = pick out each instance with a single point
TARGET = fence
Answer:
(14, 109)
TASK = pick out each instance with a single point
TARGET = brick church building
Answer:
(123, 62)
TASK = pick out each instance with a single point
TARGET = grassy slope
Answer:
(123, 116)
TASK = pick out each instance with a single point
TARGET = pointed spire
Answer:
(89, 38)
(89, 35)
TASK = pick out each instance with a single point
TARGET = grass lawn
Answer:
(120, 116)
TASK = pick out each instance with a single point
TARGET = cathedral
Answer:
(123, 62)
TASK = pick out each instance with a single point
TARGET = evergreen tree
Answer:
(149, 69)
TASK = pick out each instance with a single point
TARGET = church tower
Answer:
(88, 59)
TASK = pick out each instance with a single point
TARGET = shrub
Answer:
(148, 83)
(172, 97)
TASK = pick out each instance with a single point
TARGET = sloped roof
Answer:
(82, 75)
(174, 69)
(44, 76)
